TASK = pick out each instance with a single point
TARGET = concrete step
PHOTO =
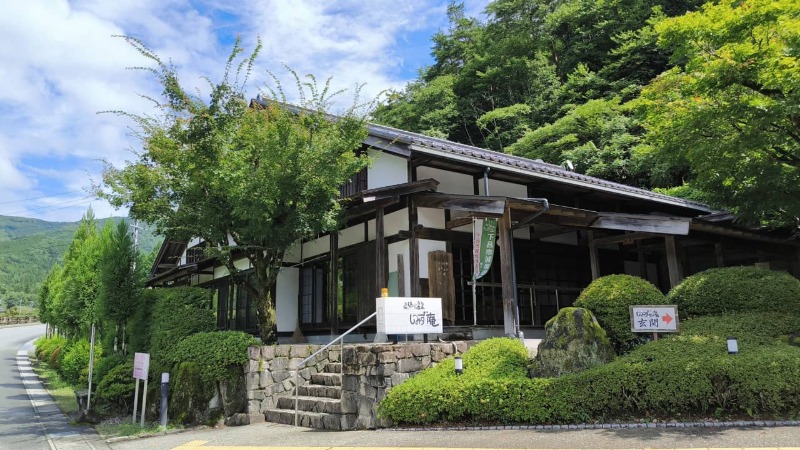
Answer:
(315, 390)
(323, 421)
(327, 379)
(312, 404)
(333, 368)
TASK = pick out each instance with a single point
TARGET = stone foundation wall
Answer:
(370, 370)
(270, 373)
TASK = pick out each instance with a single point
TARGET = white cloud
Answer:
(60, 65)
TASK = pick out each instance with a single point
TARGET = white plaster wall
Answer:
(286, 292)
(386, 170)
(351, 236)
(499, 188)
(426, 246)
(394, 223)
(293, 254)
(431, 218)
(401, 248)
(449, 182)
(371, 229)
(316, 247)
(222, 271)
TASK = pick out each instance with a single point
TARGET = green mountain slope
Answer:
(30, 247)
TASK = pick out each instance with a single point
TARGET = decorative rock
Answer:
(573, 342)
(268, 352)
(254, 352)
(409, 365)
(282, 350)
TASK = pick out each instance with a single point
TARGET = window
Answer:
(348, 287)
(313, 295)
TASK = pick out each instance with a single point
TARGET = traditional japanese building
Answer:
(409, 227)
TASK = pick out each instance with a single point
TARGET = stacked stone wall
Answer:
(368, 372)
(270, 372)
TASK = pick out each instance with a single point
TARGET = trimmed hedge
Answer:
(609, 298)
(118, 386)
(678, 377)
(177, 314)
(214, 352)
(74, 361)
(736, 289)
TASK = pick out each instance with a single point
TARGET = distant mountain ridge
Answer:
(30, 247)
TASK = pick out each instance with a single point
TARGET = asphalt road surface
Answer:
(19, 428)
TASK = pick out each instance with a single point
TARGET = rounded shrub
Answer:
(177, 314)
(214, 352)
(74, 361)
(117, 386)
(736, 289)
(609, 298)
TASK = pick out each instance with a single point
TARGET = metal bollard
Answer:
(164, 395)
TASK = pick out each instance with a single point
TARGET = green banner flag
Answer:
(484, 236)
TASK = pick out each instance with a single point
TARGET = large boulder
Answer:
(574, 341)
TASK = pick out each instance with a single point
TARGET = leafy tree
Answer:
(74, 305)
(731, 109)
(249, 181)
(120, 280)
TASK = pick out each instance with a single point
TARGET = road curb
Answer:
(612, 426)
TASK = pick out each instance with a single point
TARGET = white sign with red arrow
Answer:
(654, 318)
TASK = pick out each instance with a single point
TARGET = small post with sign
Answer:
(141, 366)
(654, 319)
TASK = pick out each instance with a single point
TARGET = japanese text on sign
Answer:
(654, 318)
(141, 365)
(409, 315)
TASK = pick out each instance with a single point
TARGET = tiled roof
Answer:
(535, 168)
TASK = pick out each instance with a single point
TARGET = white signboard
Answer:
(409, 315)
(141, 365)
(654, 318)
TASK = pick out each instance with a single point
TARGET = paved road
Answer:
(265, 436)
(18, 428)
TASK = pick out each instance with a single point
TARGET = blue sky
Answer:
(60, 65)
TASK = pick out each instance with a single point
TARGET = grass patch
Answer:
(61, 391)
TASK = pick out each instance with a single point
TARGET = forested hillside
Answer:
(30, 247)
(701, 99)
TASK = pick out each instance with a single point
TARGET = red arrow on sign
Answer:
(666, 318)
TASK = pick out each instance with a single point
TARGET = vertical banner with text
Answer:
(484, 236)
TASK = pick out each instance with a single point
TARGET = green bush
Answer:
(74, 361)
(190, 396)
(106, 364)
(609, 298)
(177, 314)
(117, 386)
(46, 346)
(214, 352)
(139, 327)
(678, 377)
(736, 289)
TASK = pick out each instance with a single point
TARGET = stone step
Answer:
(327, 379)
(333, 368)
(323, 421)
(315, 390)
(312, 404)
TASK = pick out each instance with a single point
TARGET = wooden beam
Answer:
(673, 263)
(651, 224)
(642, 261)
(616, 239)
(414, 250)
(594, 260)
(493, 206)
(369, 207)
(401, 276)
(458, 222)
(380, 253)
(506, 275)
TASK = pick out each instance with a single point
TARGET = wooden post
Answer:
(594, 260)
(506, 276)
(673, 263)
(413, 250)
(642, 259)
(720, 255)
(333, 284)
(380, 254)
(401, 276)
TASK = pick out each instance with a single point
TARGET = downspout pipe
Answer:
(486, 181)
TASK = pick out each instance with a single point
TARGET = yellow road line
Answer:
(200, 445)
